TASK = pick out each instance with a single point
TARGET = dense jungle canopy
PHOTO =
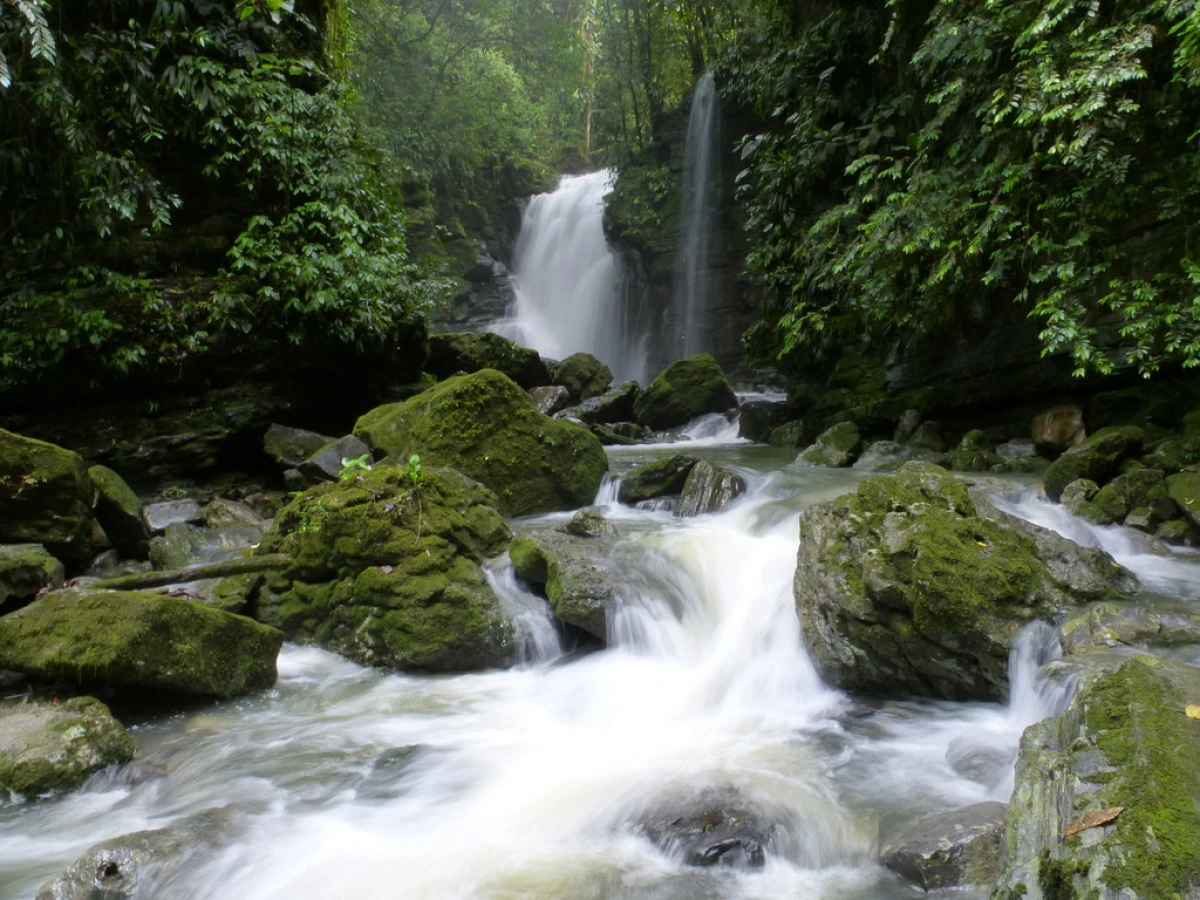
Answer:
(189, 177)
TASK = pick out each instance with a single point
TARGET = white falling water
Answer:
(566, 280)
(700, 158)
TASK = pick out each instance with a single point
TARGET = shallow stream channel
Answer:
(538, 781)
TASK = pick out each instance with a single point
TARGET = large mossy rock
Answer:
(582, 375)
(1107, 798)
(387, 572)
(1107, 625)
(662, 478)
(974, 453)
(1184, 490)
(904, 588)
(25, 569)
(1095, 459)
(834, 448)
(757, 419)
(682, 391)
(45, 497)
(573, 573)
(46, 747)
(486, 427)
(450, 354)
(119, 512)
(146, 864)
(138, 640)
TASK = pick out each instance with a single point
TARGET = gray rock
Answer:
(295, 480)
(663, 477)
(928, 436)
(614, 405)
(1105, 625)
(577, 575)
(146, 864)
(291, 446)
(45, 497)
(951, 849)
(119, 511)
(158, 516)
(589, 523)
(326, 463)
(222, 513)
(1078, 494)
(834, 448)
(716, 828)
(1058, 428)
(25, 569)
(886, 456)
(550, 399)
(1017, 448)
(46, 747)
(907, 426)
(708, 489)
(757, 419)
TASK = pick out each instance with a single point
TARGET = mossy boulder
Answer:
(682, 391)
(589, 522)
(789, 434)
(119, 511)
(26, 569)
(661, 478)
(387, 571)
(1184, 489)
(45, 497)
(1104, 625)
(46, 747)
(1095, 459)
(153, 642)
(1107, 798)
(450, 354)
(757, 419)
(887, 456)
(574, 575)
(834, 448)
(486, 427)
(904, 588)
(582, 375)
(614, 405)
(974, 453)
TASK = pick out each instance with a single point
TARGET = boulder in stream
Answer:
(834, 448)
(45, 497)
(1104, 625)
(757, 419)
(958, 848)
(905, 587)
(47, 747)
(589, 522)
(486, 427)
(661, 478)
(1095, 459)
(716, 828)
(709, 488)
(152, 642)
(684, 390)
(387, 571)
(452, 353)
(550, 399)
(614, 405)
(1105, 804)
(583, 376)
(886, 456)
(574, 573)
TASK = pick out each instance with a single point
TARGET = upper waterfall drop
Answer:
(567, 281)
(700, 157)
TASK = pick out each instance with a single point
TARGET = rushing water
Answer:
(566, 281)
(529, 783)
(700, 156)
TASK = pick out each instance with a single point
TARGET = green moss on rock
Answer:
(661, 478)
(139, 640)
(684, 390)
(387, 571)
(583, 375)
(834, 448)
(1095, 459)
(974, 453)
(486, 427)
(45, 497)
(26, 569)
(1184, 489)
(573, 574)
(450, 354)
(119, 511)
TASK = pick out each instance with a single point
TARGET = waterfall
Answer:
(566, 281)
(700, 157)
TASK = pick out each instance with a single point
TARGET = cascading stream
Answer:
(566, 281)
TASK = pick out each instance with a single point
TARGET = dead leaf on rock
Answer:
(1192, 711)
(1093, 820)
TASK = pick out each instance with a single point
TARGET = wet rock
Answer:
(980, 762)
(1170, 455)
(48, 747)
(973, 454)
(148, 641)
(1017, 448)
(1104, 805)
(790, 434)
(928, 436)
(158, 516)
(611, 438)
(685, 390)
(835, 447)
(708, 489)
(951, 849)
(757, 419)
(388, 768)
(886, 456)
(484, 426)
(589, 523)
(451, 354)
(1178, 533)
(1184, 489)
(910, 419)
(146, 864)
(1078, 494)
(387, 572)
(717, 828)
(1105, 625)
(550, 399)
(904, 587)
(291, 446)
(294, 480)
(577, 576)
(582, 375)
(1095, 459)
(25, 569)
(222, 513)
(45, 497)
(663, 477)
(614, 405)
(327, 463)
(179, 546)
(119, 511)
(1058, 428)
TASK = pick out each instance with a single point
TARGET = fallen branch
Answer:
(242, 566)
